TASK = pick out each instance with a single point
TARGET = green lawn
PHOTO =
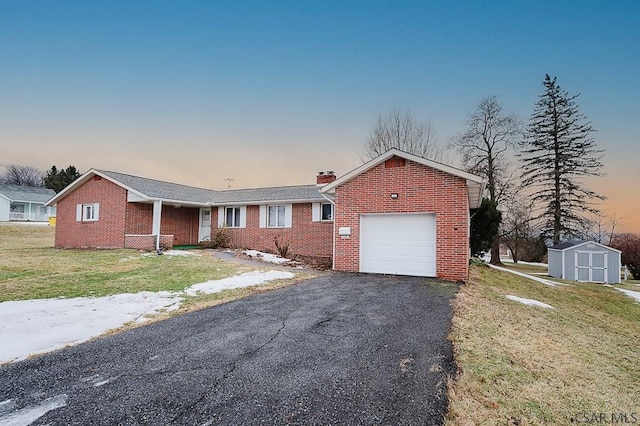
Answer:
(30, 268)
(521, 364)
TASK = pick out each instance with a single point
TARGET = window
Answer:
(87, 212)
(327, 211)
(16, 208)
(275, 216)
(232, 217)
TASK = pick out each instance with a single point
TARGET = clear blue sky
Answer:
(269, 93)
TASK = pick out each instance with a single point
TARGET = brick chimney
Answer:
(325, 177)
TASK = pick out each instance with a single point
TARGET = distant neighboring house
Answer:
(586, 261)
(396, 214)
(25, 203)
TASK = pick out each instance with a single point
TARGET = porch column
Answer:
(157, 213)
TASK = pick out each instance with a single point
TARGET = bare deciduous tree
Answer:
(629, 245)
(490, 133)
(22, 175)
(400, 130)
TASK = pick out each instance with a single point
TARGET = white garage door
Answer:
(401, 244)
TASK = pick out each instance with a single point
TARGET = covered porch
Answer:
(161, 224)
(29, 211)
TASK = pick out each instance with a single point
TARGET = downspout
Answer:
(333, 233)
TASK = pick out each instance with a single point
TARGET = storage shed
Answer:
(585, 261)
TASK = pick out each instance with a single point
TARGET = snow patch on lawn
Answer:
(530, 302)
(520, 262)
(247, 279)
(631, 293)
(42, 325)
(522, 274)
(266, 257)
(30, 327)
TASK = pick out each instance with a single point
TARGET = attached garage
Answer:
(402, 214)
(399, 244)
(585, 261)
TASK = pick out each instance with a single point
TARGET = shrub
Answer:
(281, 246)
(221, 238)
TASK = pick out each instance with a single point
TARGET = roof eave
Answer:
(275, 201)
(474, 200)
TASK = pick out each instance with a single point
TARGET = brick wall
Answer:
(107, 232)
(419, 189)
(147, 242)
(305, 237)
(181, 222)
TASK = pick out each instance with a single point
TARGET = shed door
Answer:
(401, 244)
(591, 266)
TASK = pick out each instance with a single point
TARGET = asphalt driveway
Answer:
(338, 349)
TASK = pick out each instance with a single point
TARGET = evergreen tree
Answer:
(484, 227)
(557, 154)
(59, 179)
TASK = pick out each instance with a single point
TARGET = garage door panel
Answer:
(402, 244)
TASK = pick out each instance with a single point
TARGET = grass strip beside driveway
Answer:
(522, 364)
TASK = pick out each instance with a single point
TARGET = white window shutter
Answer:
(79, 213)
(243, 216)
(96, 211)
(220, 216)
(288, 215)
(315, 212)
(263, 216)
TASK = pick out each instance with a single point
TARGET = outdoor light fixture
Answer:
(394, 196)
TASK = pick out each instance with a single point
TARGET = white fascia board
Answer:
(85, 178)
(27, 201)
(71, 187)
(588, 242)
(181, 203)
(265, 202)
(330, 187)
(5, 197)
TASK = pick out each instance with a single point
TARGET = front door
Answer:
(205, 224)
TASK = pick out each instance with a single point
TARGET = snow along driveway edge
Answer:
(29, 327)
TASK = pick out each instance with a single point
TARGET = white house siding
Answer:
(4, 209)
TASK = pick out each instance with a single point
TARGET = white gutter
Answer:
(333, 250)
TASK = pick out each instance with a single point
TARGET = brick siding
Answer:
(305, 237)
(147, 242)
(107, 232)
(181, 222)
(420, 189)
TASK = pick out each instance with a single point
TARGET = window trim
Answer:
(236, 217)
(88, 212)
(331, 206)
(281, 208)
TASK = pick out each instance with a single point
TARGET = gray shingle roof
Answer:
(567, 244)
(153, 188)
(261, 195)
(165, 190)
(26, 193)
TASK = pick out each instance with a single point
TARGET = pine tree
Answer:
(557, 154)
(59, 179)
